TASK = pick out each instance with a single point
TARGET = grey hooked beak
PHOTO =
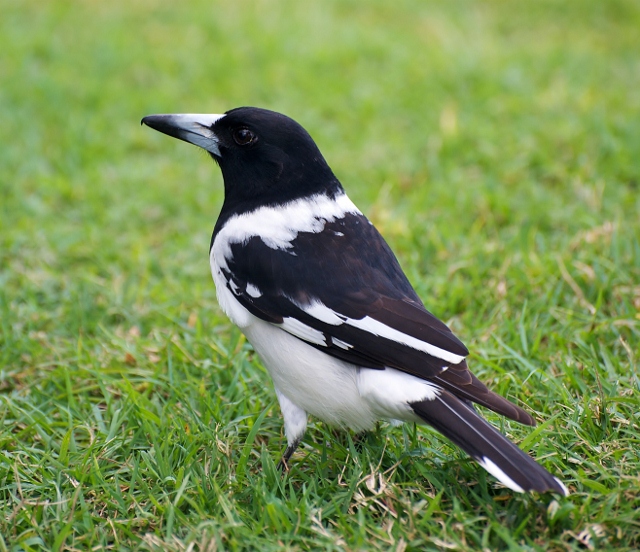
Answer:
(194, 128)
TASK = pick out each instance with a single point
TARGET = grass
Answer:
(496, 147)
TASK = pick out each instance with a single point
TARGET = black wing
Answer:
(342, 291)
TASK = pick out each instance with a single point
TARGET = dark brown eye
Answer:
(244, 137)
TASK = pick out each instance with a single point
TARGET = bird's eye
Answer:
(244, 137)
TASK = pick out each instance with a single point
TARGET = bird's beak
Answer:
(190, 127)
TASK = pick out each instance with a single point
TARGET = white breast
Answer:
(319, 384)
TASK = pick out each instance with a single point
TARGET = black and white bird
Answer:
(321, 297)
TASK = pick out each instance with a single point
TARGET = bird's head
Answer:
(265, 157)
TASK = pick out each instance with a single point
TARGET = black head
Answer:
(265, 157)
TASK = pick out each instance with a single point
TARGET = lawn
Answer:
(496, 145)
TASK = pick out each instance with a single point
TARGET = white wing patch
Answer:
(322, 312)
(328, 316)
(375, 327)
(297, 328)
(342, 344)
(253, 291)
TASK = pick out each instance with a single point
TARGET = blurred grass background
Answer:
(496, 145)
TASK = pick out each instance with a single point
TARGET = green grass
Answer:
(495, 145)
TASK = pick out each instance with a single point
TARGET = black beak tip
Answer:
(157, 122)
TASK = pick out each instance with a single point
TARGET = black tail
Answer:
(492, 450)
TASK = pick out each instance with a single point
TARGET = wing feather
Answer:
(342, 291)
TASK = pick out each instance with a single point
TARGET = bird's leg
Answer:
(283, 465)
(295, 423)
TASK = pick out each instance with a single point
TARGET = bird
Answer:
(322, 299)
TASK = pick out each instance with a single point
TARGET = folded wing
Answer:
(363, 310)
